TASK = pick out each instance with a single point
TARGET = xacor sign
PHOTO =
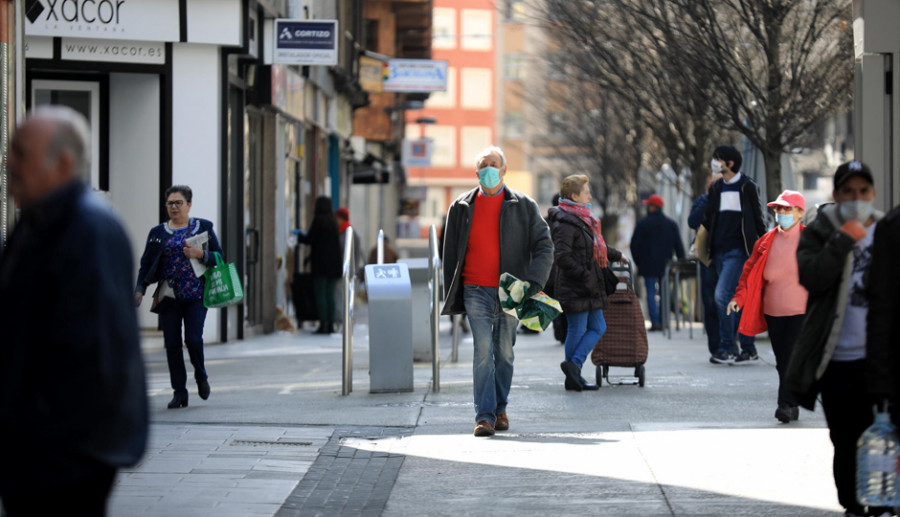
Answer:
(84, 11)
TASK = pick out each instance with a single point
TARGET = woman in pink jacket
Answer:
(769, 294)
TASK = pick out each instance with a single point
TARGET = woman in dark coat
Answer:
(325, 260)
(166, 261)
(579, 253)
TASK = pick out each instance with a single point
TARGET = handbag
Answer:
(223, 285)
(701, 248)
(162, 297)
(610, 280)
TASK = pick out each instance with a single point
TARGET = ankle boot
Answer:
(178, 401)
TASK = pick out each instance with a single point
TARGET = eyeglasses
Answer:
(174, 203)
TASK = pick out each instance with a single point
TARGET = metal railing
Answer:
(380, 247)
(349, 295)
(434, 286)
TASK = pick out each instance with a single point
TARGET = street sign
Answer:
(306, 42)
(416, 76)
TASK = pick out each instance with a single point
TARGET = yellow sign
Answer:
(371, 75)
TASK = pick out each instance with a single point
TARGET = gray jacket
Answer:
(526, 249)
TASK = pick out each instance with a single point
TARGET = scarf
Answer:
(581, 211)
(343, 226)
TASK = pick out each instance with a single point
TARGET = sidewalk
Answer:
(277, 438)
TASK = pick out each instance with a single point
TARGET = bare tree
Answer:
(781, 67)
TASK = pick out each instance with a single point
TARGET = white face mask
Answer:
(859, 210)
(716, 166)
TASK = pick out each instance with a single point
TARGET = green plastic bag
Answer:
(536, 312)
(223, 285)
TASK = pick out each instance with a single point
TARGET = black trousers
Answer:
(848, 413)
(783, 331)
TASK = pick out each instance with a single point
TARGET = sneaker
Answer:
(502, 423)
(721, 358)
(484, 428)
(745, 358)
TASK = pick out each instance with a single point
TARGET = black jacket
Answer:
(883, 325)
(578, 285)
(752, 228)
(152, 264)
(824, 261)
(654, 241)
(526, 250)
(326, 260)
(71, 374)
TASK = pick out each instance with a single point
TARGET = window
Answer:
(513, 125)
(473, 139)
(443, 151)
(477, 33)
(443, 27)
(547, 187)
(514, 66)
(515, 10)
(477, 88)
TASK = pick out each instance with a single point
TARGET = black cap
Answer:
(847, 170)
(729, 154)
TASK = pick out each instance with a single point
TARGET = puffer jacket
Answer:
(883, 324)
(578, 282)
(825, 261)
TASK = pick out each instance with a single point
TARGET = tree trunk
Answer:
(772, 162)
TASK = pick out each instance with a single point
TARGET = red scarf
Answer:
(581, 211)
(343, 226)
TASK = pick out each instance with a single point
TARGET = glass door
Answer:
(83, 97)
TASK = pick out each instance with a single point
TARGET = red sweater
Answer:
(482, 261)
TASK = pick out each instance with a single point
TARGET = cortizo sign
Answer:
(156, 20)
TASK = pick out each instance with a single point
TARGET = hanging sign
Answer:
(306, 42)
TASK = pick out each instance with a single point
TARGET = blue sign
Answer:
(306, 42)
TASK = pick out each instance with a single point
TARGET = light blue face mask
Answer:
(784, 220)
(858, 209)
(489, 177)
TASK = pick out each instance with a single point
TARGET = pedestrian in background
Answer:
(833, 259)
(579, 253)
(491, 230)
(769, 295)
(166, 261)
(73, 400)
(389, 253)
(734, 221)
(708, 276)
(655, 239)
(325, 260)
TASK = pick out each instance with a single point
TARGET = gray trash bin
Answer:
(421, 308)
(390, 328)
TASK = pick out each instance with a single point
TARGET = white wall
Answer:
(196, 122)
(134, 161)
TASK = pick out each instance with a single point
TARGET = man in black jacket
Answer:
(655, 239)
(734, 221)
(73, 403)
(833, 258)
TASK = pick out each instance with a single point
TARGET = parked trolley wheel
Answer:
(639, 373)
(600, 375)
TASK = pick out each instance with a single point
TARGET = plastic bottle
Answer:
(877, 455)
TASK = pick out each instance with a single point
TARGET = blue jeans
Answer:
(494, 334)
(585, 329)
(193, 313)
(729, 266)
(708, 281)
(650, 282)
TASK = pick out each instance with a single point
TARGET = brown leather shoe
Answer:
(502, 423)
(484, 428)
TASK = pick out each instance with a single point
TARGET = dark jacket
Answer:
(753, 226)
(653, 242)
(883, 325)
(578, 284)
(824, 260)
(698, 211)
(71, 374)
(326, 260)
(152, 260)
(526, 249)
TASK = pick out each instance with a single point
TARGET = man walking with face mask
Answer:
(734, 220)
(833, 259)
(492, 230)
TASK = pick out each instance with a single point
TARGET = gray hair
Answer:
(489, 150)
(72, 134)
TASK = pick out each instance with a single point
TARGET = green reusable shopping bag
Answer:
(223, 285)
(536, 312)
